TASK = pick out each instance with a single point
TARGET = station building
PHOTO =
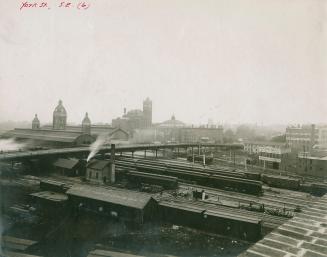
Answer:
(174, 130)
(59, 134)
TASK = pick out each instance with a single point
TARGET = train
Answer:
(227, 178)
(228, 181)
(281, 181)
(166, 182)
(203, 159)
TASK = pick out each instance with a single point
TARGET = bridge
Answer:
(21, 155)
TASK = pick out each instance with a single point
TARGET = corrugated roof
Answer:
(66, 163)
(111, 195)
(97, 164)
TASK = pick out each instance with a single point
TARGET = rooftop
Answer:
(51, 196)
(66, 163)
(111, 195)
(44, 134)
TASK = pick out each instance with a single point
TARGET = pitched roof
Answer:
(66, 163)
(97, 164)
(111, 195)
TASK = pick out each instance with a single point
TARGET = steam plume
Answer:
(96, 146)
(10, 145)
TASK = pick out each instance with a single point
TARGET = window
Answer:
(96, 175)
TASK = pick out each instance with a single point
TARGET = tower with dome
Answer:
(59, 117)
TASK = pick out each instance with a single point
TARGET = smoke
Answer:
(10, 145)
(96, 145)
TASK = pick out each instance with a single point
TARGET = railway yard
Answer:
(218, 201)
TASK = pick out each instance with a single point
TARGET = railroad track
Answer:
(245, 198)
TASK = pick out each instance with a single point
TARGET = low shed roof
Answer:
(111, 195)
(66, 163)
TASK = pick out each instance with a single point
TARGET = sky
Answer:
(230, 61)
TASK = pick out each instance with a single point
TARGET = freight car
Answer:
(281, 181)
(167, 182)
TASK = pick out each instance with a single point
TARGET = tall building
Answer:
(59, 117)
(147, 112)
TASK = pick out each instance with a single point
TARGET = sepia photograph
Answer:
(163, 128)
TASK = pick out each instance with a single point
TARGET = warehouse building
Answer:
(123, 205)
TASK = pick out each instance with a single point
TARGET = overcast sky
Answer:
(231, 61)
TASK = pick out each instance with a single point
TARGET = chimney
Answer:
(112, 164)
(124, 110)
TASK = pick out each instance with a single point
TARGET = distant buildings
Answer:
(301, 138)
(306, 137)
(136, 124)
(135, 119)
(270, 155)
(139, 124)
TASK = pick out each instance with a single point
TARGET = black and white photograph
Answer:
(163, 128)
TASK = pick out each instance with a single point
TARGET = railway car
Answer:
(252, 175)
(281, 181)
(167, 182)
(236, 184)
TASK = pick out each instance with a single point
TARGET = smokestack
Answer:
(124, 110)
(112, 164)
